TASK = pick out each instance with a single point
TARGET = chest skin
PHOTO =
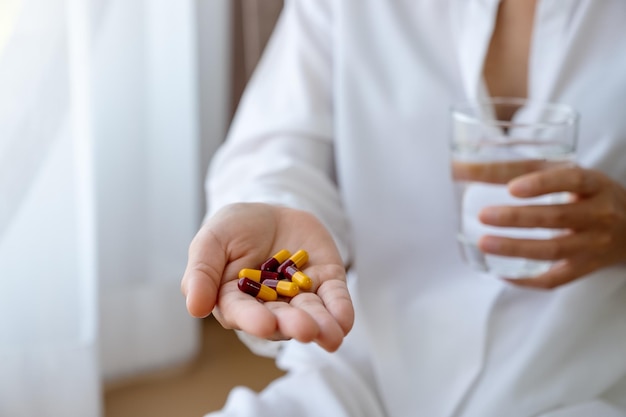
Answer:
(506, 64)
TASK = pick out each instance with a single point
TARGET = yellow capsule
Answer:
(300, 278)
(298, 260)
(283, 287)
(256, 289)
(274, 262)
(257, 274)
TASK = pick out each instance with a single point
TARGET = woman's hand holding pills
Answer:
(243, 236)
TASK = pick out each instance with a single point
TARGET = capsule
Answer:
(258, 275)
(300, 278)
(283, 287)
(274, 262)
(298, 260)
(256, 289)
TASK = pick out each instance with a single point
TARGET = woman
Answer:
(340, 147)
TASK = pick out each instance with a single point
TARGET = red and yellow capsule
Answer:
(274, 262)
(298, 260)
(256, 289)
(300, 278)
(283, 287)
(258, 275)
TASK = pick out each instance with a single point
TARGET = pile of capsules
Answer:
(279, 275)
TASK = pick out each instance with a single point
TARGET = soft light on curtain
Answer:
(100, 185)
(148, 179)
(47, 271)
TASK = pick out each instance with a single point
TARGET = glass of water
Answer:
(493, 142)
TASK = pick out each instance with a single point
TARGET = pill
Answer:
(258, 275)
(298, 260)
(274, 262)
(283, 287)
(300, 278)
(256, 289)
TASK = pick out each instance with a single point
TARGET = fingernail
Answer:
(489, 244)
(519, 188)
(489, 215)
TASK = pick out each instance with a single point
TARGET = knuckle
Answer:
(578, 178)
(552, 250)
(510, 216)
(603, 241)
(557, 217)
(610, 216)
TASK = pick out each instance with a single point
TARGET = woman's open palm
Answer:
(244, 235)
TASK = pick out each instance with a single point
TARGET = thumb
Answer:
(201, 281)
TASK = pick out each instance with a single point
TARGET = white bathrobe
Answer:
(347, 117)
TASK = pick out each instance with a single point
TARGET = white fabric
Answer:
(145, 124)
(99, 196)
(356, 93)
(48, 308)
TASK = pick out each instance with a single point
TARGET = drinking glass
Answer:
(494, 141)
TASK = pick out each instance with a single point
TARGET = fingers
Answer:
(571, 179)
(305, 318)
(338, 302)
(575, 255)
(562, 247)
(494, 172)
(580, 215)
(592, 224)
(560, 274)
(324, 316)
(329, 334)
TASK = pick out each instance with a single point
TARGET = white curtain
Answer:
(100, 195)
(48, 350)
(148, 178)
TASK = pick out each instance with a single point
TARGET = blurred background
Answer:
(110, 111)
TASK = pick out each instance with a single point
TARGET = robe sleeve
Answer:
(279, 148)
